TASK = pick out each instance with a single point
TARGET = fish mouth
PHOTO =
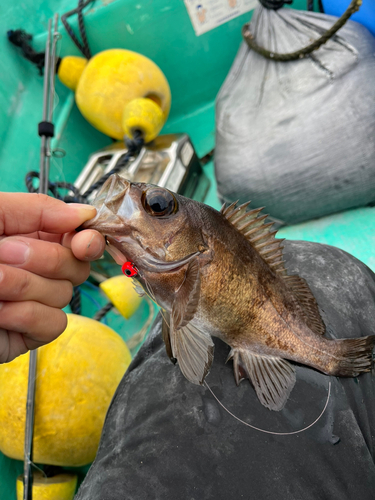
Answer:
(155, 265)
(147, 263)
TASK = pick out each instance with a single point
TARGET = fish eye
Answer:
(159, 202)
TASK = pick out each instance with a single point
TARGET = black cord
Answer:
(21, 39)
(82, 47)
(53, 188)
(82, 30)
(103, 311)
(75, 303)
(134, 146)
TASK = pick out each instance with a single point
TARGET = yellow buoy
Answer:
(109, 82)
(120, 291)
(70, 70)
(142, 115)
(77, 376)
(59, 487)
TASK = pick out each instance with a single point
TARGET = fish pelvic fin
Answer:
(273, 378)
(353, 356)
(194, 351)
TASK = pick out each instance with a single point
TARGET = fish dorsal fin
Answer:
(273, 378)
(310, 310)
(253, 226)
(194, 351)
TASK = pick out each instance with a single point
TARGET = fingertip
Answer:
(85, 212)
(88, 245)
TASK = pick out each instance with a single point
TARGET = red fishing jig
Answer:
(129, 269)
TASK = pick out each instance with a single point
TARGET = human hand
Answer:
(41, 258)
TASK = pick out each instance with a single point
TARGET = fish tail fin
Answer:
(355, 356)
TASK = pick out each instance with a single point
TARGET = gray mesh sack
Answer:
(298, 137)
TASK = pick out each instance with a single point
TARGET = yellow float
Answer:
(59, 487)
(77, 375)
(119, 92)
(120, 291)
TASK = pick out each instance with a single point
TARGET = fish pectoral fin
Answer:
(186, 301)
(165, 331)
(192, 348)
(194, 351)
(273, 378)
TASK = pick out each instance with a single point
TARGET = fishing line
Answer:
(272, 432)
(148, 286)
(139, 336)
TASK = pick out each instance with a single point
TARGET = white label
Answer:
(205, 15)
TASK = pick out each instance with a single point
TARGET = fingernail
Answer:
(13, 252)
(85, 212)
(83, 209)
(94, 248)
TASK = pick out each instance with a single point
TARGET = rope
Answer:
(274, 4)
(300, 54)
(82, 47)
(82, 30)
(134, 146)
(21, 39)
(75, 303)
(103, 311)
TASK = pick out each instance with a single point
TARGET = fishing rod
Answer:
(46, 132)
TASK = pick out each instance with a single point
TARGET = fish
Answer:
(222, 274)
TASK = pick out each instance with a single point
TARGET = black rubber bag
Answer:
(167, 439)
(298, 137)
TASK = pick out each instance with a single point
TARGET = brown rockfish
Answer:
(222, 274)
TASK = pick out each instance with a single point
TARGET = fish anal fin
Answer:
(310, 310)
(186, 301)
(194, 351)
(273, 378)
